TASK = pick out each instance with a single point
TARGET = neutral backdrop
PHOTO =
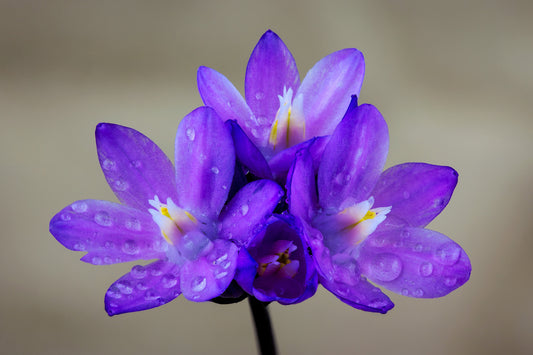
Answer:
(452, 78)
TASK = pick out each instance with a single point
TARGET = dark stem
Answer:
(263, 327)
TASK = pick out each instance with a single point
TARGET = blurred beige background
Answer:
(454, 80)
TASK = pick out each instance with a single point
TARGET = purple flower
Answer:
(278, 113)
(175, 215)
(365, 224)
(275, 265)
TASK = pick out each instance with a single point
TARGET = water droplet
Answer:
(79, 246)
(405, 292)
(225, 264)
(406, 195)
(244, 210)
(114, 292)
(141, 286)
(385, 267)
(109, 245)
(169, 281)
(448, 254)
(259, 95)
(156, 271)
(108, 260)
(138, 272)
(228, 103)
(215, 170)
(263, 121)
(405, 233)
(426, 269)
(151, 295)
(137, 164)
(96, 260)
(133, 224)
(130, 247)
(109, 164)
(190, 133)
(121, 185)
(220, 275)
(65, 217)
(418, 248)
(339, 179)
(198, 284)
(79, 207)
(348, 177)
(160, 245)
(125, 287)
(220, 259)
(224, 187)
(418, 292)
(450, 281)
(103, 218)
(343, 290)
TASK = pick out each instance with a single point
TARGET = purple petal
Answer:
(247, 153)
(210, 275)
(109, 232)
(205, 161)
(281, 162)
(340, 274)
(270, 69)
(327, 89)
(246, 271)
(144, 287)
(417, 192)
(134, 166)
(301, 187)
(414, 262)
(247, 212)
(354, 157)
(219, 93)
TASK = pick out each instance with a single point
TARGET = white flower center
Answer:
(288, 128)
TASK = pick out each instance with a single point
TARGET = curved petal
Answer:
(219, 93)
(327, 88)
(210, 275)
(417, 192)
(109, 232)
(247, 153)
(414, 262)
(271, 68)
(144, 287)
(205, 161)
(301, 187)
(247, 212)
(354, 157)
(134, 166)
(340, 274)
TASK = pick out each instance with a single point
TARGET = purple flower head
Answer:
(278, 112)
(365, 224)
(275, 264)
(170, 214)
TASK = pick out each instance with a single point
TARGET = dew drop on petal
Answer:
(215, 170)
(418, 248)
(79, 247)
(114, 292)
(406, 195)
(125, 287)
(121, 185)
(244, 210)
(130, 247)
(450, 281)
(405, 292)
(225, 264)
(418, 292)
(219, 275)
(151, 295)
(137, 164)
(220, 259)
(102, 218)
(259, 95)
(79, 207)
(109, 245)
(198, 284)
(96, 260)
(156, 271)
(169, 281)
(448, 254)
(141, 286)
(386, 267)
(65, 217)
(133, 224)
(191, 134)
(138, 272)
(108, 260)
(108, 164)
(426, 269)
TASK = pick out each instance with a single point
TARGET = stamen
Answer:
(173, 221)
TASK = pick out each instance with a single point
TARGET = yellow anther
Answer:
(368, 215)
(191, 217)
(274, 134)
(164, 212)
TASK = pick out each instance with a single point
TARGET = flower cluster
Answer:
(268, 196)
